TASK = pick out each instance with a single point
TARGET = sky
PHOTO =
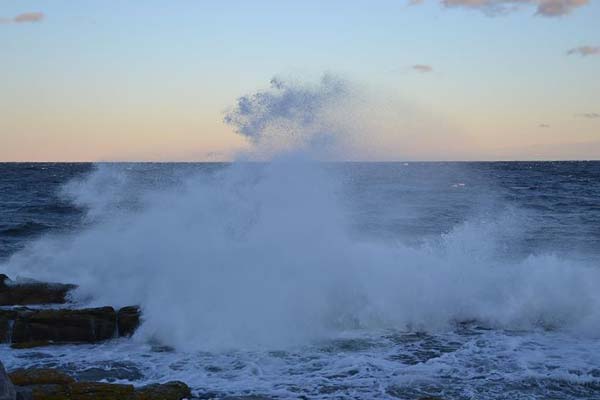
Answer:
(109, 80)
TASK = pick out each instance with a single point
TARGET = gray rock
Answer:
(7, 389)
(65, 325)
(128, 320)
(26, 293)
(24, 393)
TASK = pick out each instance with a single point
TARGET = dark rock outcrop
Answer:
(128, 320)
(39, 376)
(7, 389)
(83, 391)
(64, 326)
(23, 393)
(31, 345)
(167, 391)
(48, 384)
(28, 293)
(27, 328)
(7, 319)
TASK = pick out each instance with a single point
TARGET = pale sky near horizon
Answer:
(128, 80)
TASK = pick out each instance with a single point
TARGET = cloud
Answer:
(585, 51)
(545, 8)
(24, 18)
(556, 8)
(543, 126)
(591, 115)
(422, 68)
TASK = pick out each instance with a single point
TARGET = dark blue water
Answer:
(558, 202)
(138, 232)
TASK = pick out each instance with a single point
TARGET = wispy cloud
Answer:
(422, 68)
(591, 115)
(24, 18)
(585, 51)
(543, 126)
(556, 8)
(544, 8)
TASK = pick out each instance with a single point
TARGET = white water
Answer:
(259, 255)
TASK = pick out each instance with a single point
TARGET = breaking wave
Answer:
(260, 254)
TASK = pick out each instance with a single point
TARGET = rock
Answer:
(174, 390)
(128, 320)
(49, 392)
(7, 319)
(13, 293)
(52, 384)
(24, 393)
(27, 328)
(7, 389)
(64, 325)
(30, 345)
(5, 330)
(39, 376)
(83, 391)
(100, 391)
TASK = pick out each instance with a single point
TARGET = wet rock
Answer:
(5, 330)
(7, 319)
(53, 384)
(23, 393)
(97, 391)
(128, 320)
(64, 325)
(7, 389)
(31, 345)
(174, 390)
(49, 392)
(83, 391)
(39, 376)
(27, 293)
(28, 328)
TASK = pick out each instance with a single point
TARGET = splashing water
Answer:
(259, 255)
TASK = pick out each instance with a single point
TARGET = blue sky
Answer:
(98, 80)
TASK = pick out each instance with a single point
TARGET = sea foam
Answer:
(260, 254)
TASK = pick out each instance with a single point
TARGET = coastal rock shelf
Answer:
(32, 293)
(26, 327)
(51, 384)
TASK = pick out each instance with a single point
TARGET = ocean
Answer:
(300, 279)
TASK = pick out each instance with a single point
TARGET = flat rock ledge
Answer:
(25, 328)
(32, 292)
(51, 384)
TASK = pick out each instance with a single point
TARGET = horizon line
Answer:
(321, 161)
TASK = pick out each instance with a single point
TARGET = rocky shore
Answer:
(23, 326)
(37, 314)
(51, 384)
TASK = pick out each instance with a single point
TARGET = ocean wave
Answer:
(261, 254)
